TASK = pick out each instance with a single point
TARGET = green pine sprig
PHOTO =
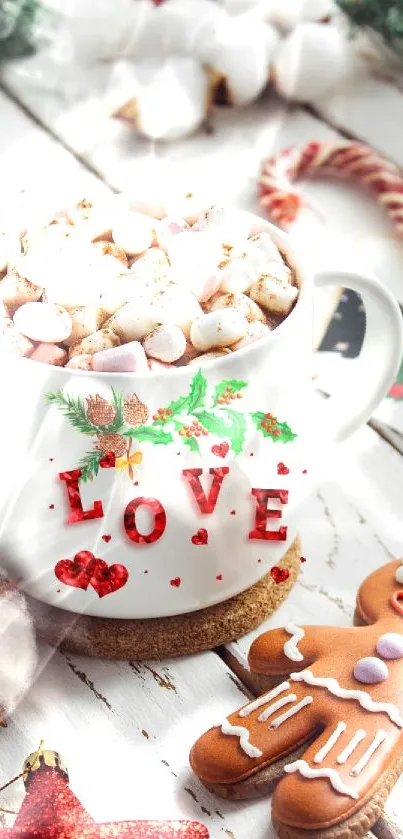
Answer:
(75, 410)
(89, 465)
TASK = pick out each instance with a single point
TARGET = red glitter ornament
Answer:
(107, 537)
(76, 505)
(51, 811)
(108, 578)
(221, 450)
(201, 537)
(108, 461)
(129, 519)
(176, 582)
(263, 513)
(279, 575)
(205, 505)
(282, 469)
(76, 572)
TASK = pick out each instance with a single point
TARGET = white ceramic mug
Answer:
(176, 523)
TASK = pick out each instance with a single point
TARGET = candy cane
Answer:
(343, 159)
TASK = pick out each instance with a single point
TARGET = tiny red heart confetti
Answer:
(303, 559)
(233, 513)
(51, 458)
(108, 461)
(279, 575)
(219, 577)
(51, 506)
(201, 537)
(221, 450)
(282, 469)
(135, 483)
(259, 560)
(251, 454)
(176, 582)
(107, 537)
(304, 471)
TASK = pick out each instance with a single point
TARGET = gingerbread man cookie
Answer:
(331, 726)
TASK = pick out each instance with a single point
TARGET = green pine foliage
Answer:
(385, 17)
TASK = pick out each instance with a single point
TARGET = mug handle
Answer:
(375, 369)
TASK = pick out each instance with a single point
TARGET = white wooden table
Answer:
(125, 729)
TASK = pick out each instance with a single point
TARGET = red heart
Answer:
(219, 577)
(279, 575)
(108, 461)
(107, 537)
(76, 572)
(108, 578)
(221, 450)
(176, 582)
(282, 469)
(201, 537)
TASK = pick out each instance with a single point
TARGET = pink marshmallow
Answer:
(50, 354)
(128, 358)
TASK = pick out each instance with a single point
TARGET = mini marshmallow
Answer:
(254, 332)
(43, 322)
(208, 356)
(243, 304)
(16, 290)
(274, 295)
(165, 343)
(103, 339)
(81, 362)
(218, 329)
(93, 220)
(153, 266)
(238, 274)
(261, 246)
(175, 305)
(12, 340)
(159, 366)
(194, 260)
(229, 225)
(84, 321)
(168, 228)
(129, 358)
(131, 322)
(50, 354)
(133, 232)
(110, 249)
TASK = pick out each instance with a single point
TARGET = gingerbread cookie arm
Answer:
(279, 651)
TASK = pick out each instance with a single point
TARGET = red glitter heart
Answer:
(176, 582)
(282, 469)
(221, 450)
(51, 506)
(107, 537)
(76, 572)
(201, 537)
(219, 577)
(108, 578)
(108, 461)
(279, 575)
(304, 471)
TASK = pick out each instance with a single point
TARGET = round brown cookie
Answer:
(171, 636)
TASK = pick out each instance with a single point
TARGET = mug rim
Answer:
(281, 238)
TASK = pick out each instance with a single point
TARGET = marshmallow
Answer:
(238, 274)
(175, 305)
(50, 354)
(255, 330)
(133, 232)
(218, 329)
(10, 251)
(261, 246)
(165, 343)
(274, 294)
(129, 358)
(194, 259)
(243, 304)
(81, 362)
(84, 321)
(229, 225)
(12, 340)
(103, 339)
(110, 249)
(153, 266)
(208, 356)
(43, 322)
(131, 322)
(16, 290)
(159, 366)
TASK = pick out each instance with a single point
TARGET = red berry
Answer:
(228, 388)
(264, 424)
(186, 427)
(232, 396)
(155, 416)
(239, 395)
(220, 401)
(204, 431)
(276, 433)
(269, 416)
(160, 410)
(168, 412)
(197, 433)
(188, 434)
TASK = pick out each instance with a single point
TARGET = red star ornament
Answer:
(50, 810)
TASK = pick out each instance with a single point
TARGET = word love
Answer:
(206, 504)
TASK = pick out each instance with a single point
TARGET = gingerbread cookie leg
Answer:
(345, 697)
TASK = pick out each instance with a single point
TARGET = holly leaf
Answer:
(192, 443)
(258, 418)
(235, 384)
(213, 423)
(236, 429)
(147, 433)
(286, 435)
(198, 390)
(177, 406)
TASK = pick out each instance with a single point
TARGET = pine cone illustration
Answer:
(100, 411)
(135, 412)
(112, 443)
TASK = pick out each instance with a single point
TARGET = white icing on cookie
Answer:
(243, 734)
(326, 748)
(359, 735)
(379, 738)
(283, 717)
(332, 774)
(360, 696)
(290, 647)
(262, 700)
(291, 697)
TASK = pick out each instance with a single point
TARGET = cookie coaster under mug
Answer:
(171, 636)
